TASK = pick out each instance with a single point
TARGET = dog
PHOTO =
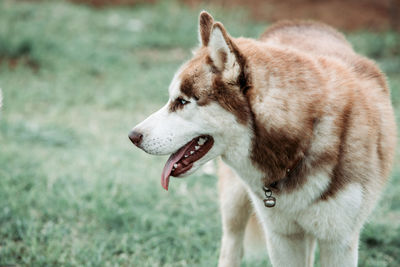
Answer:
(305, 125)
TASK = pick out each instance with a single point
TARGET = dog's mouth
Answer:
(182, 160)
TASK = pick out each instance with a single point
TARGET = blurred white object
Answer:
(135, 25)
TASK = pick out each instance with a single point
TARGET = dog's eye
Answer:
(178, 103)
(182, 101)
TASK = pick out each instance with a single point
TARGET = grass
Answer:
(73, 190)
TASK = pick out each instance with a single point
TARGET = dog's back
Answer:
(310, 37)
(322, 40)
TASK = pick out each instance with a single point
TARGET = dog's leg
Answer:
(235, 210)
(291, 250)
(339, 253)
(310, 243)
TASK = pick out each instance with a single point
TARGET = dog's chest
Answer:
(303, 211)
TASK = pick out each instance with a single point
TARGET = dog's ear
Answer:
(221, 47)
(206, 23)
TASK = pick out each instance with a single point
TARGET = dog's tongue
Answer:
(174, 158)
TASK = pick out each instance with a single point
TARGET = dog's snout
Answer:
(135, 137)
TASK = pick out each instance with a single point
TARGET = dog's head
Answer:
(206, 106)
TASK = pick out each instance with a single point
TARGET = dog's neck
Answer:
(237, 156)
(265, 149)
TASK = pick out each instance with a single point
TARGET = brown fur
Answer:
(354, 102)
(300, 26)
(229, 95)
(370, 77)
(192, 81)
(206, 24)
(307, 37)
(275, 149)
(226, 95)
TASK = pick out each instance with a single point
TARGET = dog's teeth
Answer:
(186, 156)
(191, 152)
(201, 141)
(196, 147)
(175, 165)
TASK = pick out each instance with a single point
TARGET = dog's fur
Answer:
(299, 97)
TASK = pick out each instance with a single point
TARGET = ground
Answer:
(73, 190)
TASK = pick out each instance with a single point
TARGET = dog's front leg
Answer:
(339, 253)
(235, 210)
(291, 250)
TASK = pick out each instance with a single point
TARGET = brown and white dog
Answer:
(304, 122)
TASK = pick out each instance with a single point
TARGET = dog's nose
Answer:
(135, 137)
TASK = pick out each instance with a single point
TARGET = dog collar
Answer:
(269, 200)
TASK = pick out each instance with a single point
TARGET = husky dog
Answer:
(305, 124)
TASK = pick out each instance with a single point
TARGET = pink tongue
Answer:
(174, 158)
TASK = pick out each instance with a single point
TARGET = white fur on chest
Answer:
(303, 211)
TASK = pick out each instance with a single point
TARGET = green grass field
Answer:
(73, 190)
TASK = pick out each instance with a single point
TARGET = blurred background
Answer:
(77, 75)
